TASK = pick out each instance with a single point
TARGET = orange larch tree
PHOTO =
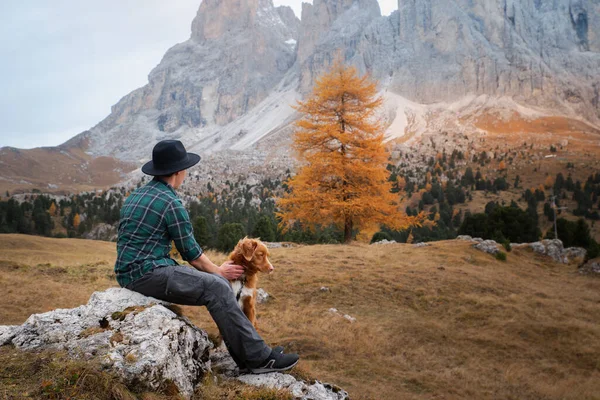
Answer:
(343, 180)
(76, 221)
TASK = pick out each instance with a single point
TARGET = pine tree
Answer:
(344, 180)
(264, 229)
(202, 232)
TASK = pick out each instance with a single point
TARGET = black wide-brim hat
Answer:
(168, 157)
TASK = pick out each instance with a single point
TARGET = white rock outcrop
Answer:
(314, 390)
(552, 248)
(134, 335)
(299, 389)
(592, 267)
(421, 244)
(488, 246)
(262, 296)
(384, 241)
(145, 343)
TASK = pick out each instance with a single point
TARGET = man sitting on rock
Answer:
(151, 218)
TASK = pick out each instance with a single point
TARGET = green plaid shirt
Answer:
(151, 218)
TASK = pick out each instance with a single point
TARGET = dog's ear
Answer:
(248, 248)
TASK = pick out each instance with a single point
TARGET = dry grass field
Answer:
(439, 322)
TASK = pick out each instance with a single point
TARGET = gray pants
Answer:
(188, 286)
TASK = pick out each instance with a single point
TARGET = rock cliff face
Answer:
(237, 53)
(331, 29)
(232, 83)
(538, 52)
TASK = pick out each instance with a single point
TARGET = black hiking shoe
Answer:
(246, 370)
(277, 349)
(276, 362)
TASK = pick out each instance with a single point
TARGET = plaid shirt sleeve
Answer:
(181, 231)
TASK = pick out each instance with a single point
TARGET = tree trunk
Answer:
(347, 229)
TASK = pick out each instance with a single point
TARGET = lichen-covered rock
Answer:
(488, 246)
(576, 254)
(7, 333)
(592, 267)
(262, 296)
(385, 241)
(299, 389)
(464, 237)
(134, 335)
(552, 248)
(223, 364)
(421, 244)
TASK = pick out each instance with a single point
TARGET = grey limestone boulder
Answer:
(384, 241)
(488, 246)
(592, 267)
(299, 389)
(552, 248)
(314, 390)
(464, 237)
(134, 335)
(145, 343)
(262, 296)
(576, 253)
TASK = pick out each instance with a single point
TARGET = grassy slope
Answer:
(444, 321)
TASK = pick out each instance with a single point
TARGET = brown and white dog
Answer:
(253, 255)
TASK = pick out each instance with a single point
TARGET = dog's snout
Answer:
(271, 268)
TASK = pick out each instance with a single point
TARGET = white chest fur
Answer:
(241, 292)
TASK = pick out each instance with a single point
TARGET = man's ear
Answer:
(248, 248)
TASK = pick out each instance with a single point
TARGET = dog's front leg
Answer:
(249, 309)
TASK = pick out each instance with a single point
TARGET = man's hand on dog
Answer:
(231, 271)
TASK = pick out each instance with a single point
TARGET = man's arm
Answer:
(228, 270)
(181, 231)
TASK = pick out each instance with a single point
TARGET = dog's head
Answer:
(252, 254)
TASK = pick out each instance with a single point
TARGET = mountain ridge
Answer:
(230, 86)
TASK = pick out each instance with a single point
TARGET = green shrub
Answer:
(229, 235)
(593, 251)
(501, 256)
(379, 236)
(202, 232)
(264, 229)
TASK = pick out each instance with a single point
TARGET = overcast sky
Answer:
(66, 62)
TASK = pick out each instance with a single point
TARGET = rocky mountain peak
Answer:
(328, 27)
(238, 52)
(233, 82)
(218, 18)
